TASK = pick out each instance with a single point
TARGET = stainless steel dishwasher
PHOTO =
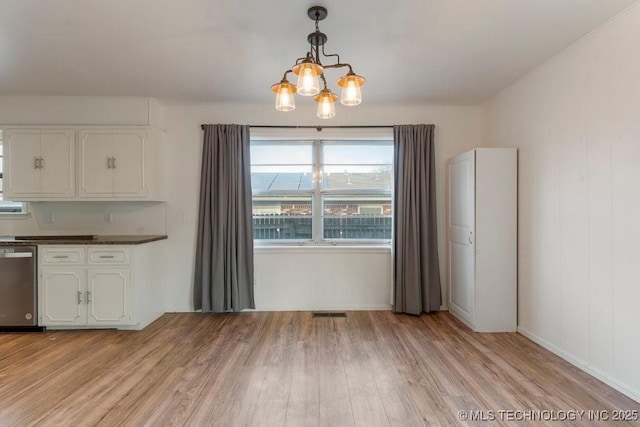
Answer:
(18, 306)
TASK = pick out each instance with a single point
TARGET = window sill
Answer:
(343, 248)
(12, 215)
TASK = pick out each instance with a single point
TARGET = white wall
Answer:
(457, 129)
(80, 110)
(576, 122)
(320, 278)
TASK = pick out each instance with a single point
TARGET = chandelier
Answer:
(310, 71)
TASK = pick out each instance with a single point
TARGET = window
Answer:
(7, 207)
(322, 190)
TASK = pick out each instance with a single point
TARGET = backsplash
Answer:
(104, 218)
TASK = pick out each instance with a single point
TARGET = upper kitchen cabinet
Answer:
(39, 164)
(120, 164)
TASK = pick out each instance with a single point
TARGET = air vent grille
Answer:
(329, 314)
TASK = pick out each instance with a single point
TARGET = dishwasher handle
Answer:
(16, 255)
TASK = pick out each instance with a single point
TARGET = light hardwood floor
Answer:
(287, 368)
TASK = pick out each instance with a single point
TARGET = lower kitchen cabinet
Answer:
(100, 286)
(62, 294)
(109, 296)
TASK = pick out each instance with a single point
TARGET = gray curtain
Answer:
(416, 271)
(224, 252)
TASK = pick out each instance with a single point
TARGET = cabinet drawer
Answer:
(109, 256)
(62, 256)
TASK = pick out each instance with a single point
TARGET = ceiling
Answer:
(410, 51)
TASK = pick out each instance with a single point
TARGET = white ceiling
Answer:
(444, 51)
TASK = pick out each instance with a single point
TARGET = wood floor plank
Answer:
(270, 413)
(368, 411)
(332, 382)
(336, 412)
(288, 368)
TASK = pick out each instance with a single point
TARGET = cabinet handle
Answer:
(471, 237)
(114, 162)
(35, 163)
(108, 162)
(60, 256)
(79, 297)
(106, 256)
(40, 163)
(88, 297)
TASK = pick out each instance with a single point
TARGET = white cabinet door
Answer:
(39, 164)
(461, 235)
(129, 151)
(96, 172)
(21, 156)
(109, 296)
(57, 165)
(62, 296)
(113, 163)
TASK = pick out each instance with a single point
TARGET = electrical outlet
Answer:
(48, 218)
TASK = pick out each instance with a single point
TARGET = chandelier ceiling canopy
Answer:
(310, 70)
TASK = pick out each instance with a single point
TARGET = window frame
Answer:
(317, 192)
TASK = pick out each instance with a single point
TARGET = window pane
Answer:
(357, 217)
(281, 178)
(357, 154)
(281, 154)
(282, 218)
(376, 177)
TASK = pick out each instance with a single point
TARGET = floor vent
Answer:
(329, 314)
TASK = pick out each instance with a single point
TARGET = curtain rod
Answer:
(319, 128)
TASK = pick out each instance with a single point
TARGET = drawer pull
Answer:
(106, 256)
(88, 297)
(61, 256)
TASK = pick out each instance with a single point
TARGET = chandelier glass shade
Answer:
(284, 96)
(310, 72)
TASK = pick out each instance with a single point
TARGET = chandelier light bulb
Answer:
(308, 81)
(285, 100)
(351, 93)
(284, 91)
(326, 104)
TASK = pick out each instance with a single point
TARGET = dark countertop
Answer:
(80, 240)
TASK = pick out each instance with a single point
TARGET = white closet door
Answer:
(461, 232)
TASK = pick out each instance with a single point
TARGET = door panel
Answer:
(96, 173)
(58, 163)
(129, 174)
(62, 297)
(460, 232)
(21, 149)
(109, 296)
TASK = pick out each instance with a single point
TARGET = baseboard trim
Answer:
(581, 364)
(374, 307)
